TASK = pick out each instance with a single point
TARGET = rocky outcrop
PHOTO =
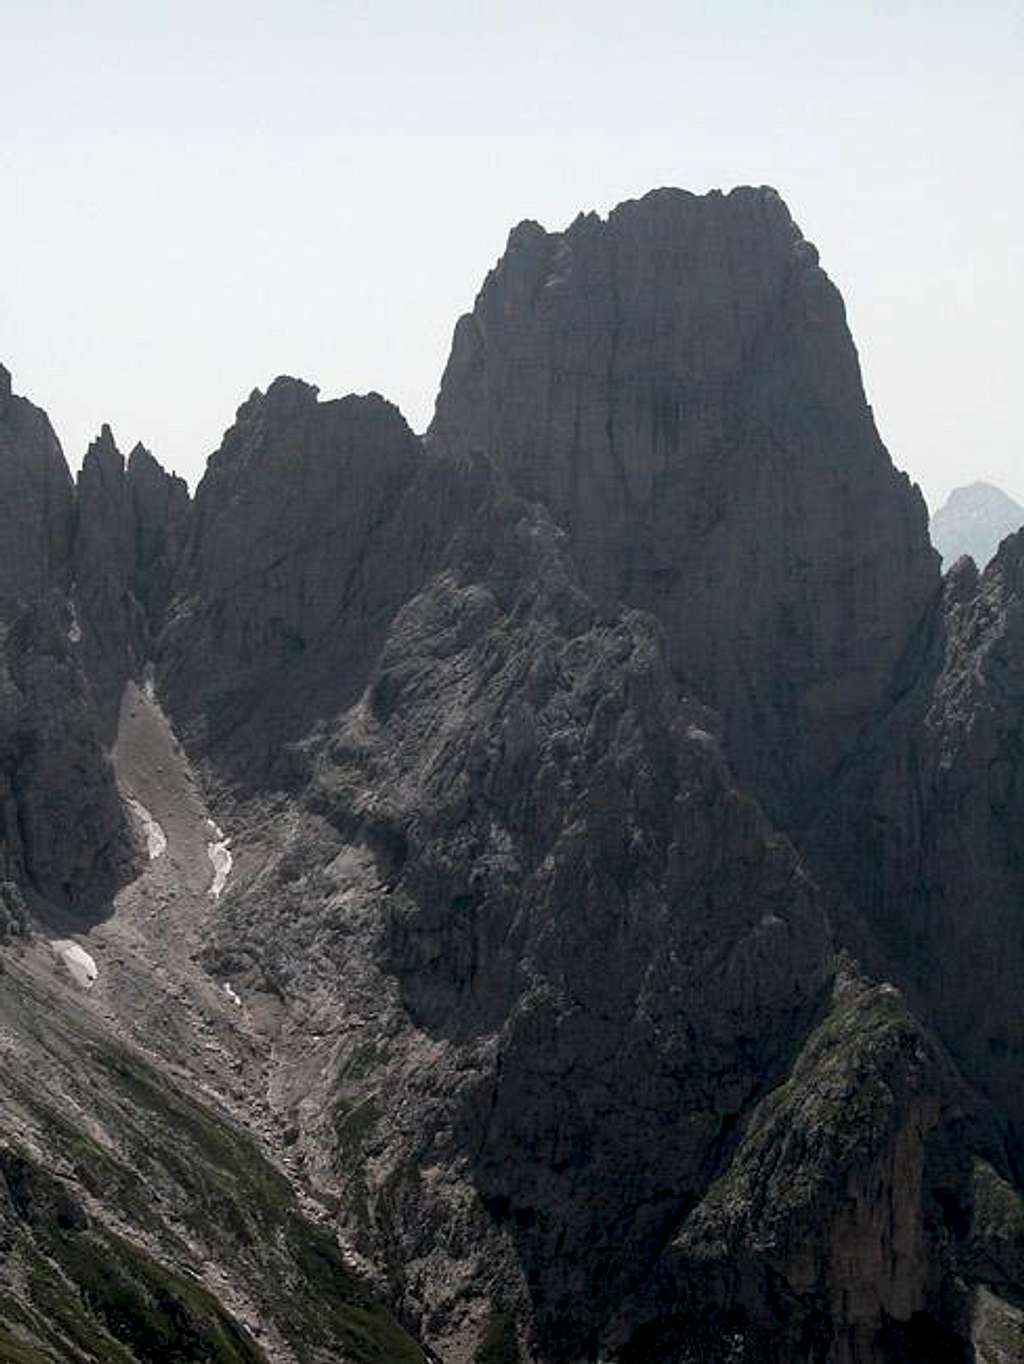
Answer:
(824, 1238)
(83, 580)
(36, 502)
(161, 512)
(63, 830)
(311, 528)
(973, 521)
(131, 528)
(622, 930)
(678, 385)
(109, 619)
(925, 829)
(570, 1047)
(534, 869)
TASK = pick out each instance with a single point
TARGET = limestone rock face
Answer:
(576, 953)
(63, 830)
(36, 501)
(161, 511)
(111, 621)
(622, 936)
(567, 1032)
(678, 385)
(925, 831)
(824, 1238)
(305, 541)
(62, 826)
(131, 528)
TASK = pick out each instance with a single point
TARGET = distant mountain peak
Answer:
(974, 520)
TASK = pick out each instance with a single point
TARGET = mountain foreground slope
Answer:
(549, 891)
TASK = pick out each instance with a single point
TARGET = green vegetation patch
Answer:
(500, 1344)
(93, 1293)
(15, 1351)
(340, 1305)
(852, 1086)
(159, 1315)
(353, 1125)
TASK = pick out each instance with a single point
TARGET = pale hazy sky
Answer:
(197, 197)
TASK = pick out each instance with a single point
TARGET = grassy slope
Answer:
(125, 1204)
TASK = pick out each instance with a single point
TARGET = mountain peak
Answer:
(104, 456)
(678, 385)
(623, 931)
(973, 520)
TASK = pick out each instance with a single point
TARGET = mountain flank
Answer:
(549, 891)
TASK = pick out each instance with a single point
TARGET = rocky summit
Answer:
(678, 385)
(973, 521)
(545, 892)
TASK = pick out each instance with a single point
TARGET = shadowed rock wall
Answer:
(678, 385)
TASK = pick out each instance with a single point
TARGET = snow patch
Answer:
(81, 966)
(156, 839)
(75, 630)
(219, 853)
(231, 994)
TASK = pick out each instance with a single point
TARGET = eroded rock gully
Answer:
(621, 949)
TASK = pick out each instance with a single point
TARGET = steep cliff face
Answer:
(36, 502)
(839, 1230)
(161, 521)
(63, 831)
(110, 620)
(306, 540)
(513, 972)
(926, 828)
(131, 527)
(678, 385)
(561, 954)
(563, 1029)
(64, 834)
